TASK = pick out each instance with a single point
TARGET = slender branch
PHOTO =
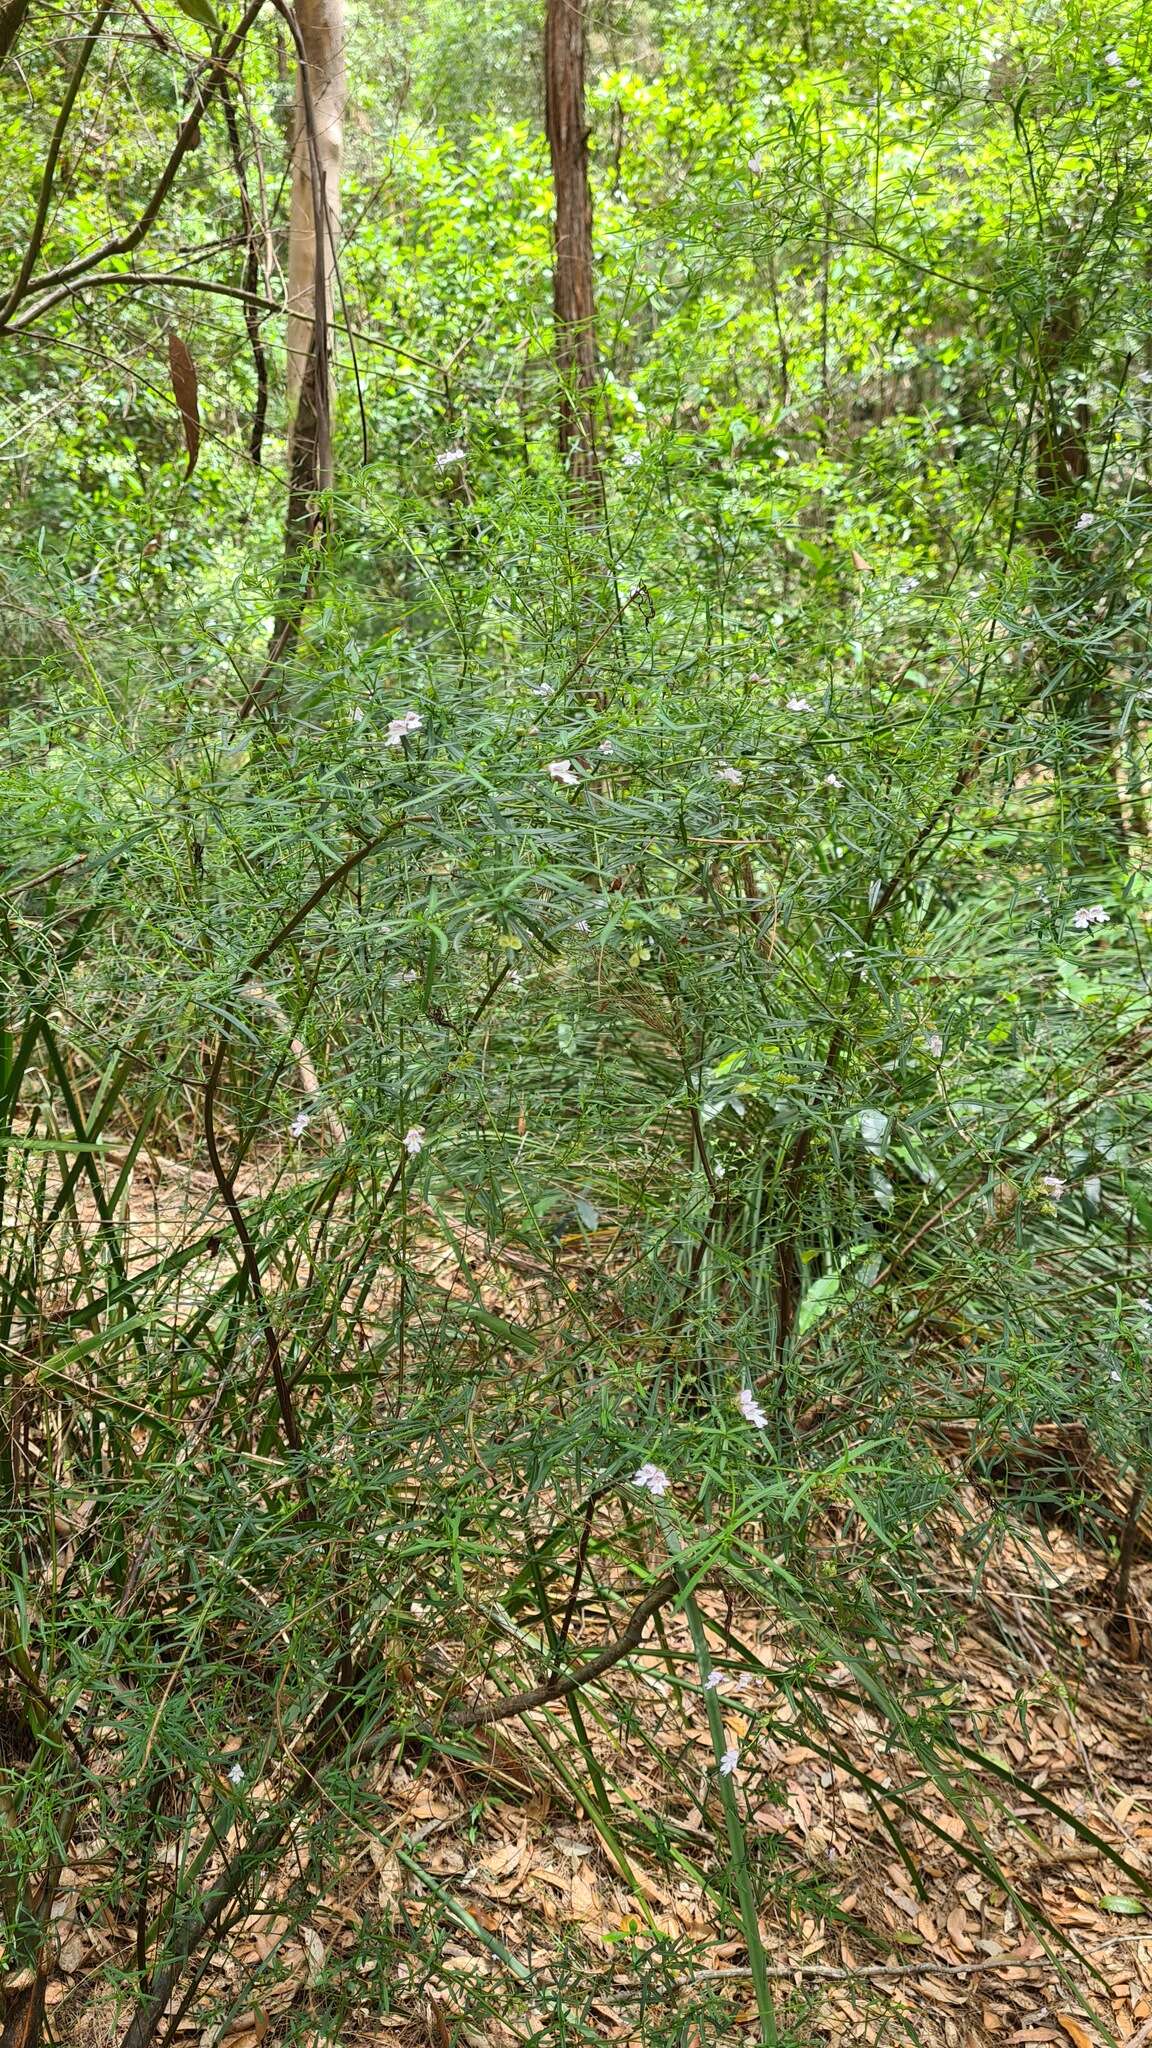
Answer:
(323, 888)
(577, 1579)
(226, 1183)
(44, 199)
(251, 273)
(130, 279)
(187, 135)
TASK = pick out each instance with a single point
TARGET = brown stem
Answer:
(251, 1264)
(251, 278)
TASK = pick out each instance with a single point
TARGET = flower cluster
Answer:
(1092, 913)
(563, 771)
(651, 1479)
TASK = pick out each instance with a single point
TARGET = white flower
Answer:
(299, 1123)
(1092, 913)
(414, 1140)
(833, 781)
(607, 747)
(713, 1679)
(540, 690)
(732, 776)
(357, 714)
(1053, 1185)
(563, 771)
(581, 924)
(236, 1775)
(451, 457)
(409, 976)
(1114, 60)
(751, 1410)
(729, 1761)
(798, 704)
(399, 728)
(935, 1044)
(1085, 520)
(630, 459)
(873, 1128)
(651, 1479)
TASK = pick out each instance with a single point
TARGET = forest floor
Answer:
(907, 1920)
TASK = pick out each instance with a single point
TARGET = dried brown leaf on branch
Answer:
(186, 392)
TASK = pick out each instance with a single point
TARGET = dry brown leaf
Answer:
(186, 392)
(1075, 2029)
(957, 1925)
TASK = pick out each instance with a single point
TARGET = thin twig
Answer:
(186, 135)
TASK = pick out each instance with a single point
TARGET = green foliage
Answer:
(810, 996)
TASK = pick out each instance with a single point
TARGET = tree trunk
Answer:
(12, 13)
(314, 216)
(573, 296)
(313, 229)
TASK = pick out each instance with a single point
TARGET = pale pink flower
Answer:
(729, 1761)
(399, 729)
(651, 1479)
(563, 771)
(751, 1410)
(414, 1141)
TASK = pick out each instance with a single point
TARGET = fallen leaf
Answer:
(1075, 2030)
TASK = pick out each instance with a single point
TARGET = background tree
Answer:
(573, 278)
